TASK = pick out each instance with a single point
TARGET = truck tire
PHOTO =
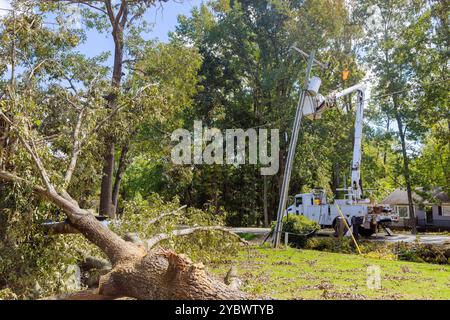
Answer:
(334, 225)
(365, 232)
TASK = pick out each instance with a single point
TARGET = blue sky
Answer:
(163, 17)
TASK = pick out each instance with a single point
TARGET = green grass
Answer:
(305, 274)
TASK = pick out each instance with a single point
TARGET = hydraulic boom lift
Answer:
(358, 212)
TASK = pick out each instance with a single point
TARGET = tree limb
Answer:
(34, 156)
(76, 148)
(184, 232)
(87, 3)
(35, 69)
(162, 216)
(60, 228)
(109, 11)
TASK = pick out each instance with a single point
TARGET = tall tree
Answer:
(407, 49)
(122, 19)
(251, 80)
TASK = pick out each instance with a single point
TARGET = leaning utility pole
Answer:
(292, 146)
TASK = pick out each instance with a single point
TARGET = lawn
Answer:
(305, 274)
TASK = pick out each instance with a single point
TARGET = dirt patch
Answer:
(333, 295)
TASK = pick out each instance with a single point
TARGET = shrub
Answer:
(420, 253)
(424, 253)
(343, 245)
(299, 228)
(346, 245)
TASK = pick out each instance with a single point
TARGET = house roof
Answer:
(420, 196)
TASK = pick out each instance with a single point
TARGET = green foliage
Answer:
(404, 49)
(343, 245)
(250, 77)
(299, 224)
(415, 252)
(248, 236)
(432, 167)
(299, 229)
(33, 264)
(201, 246)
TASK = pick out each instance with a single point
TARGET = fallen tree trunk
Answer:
(136, 272)
(164, 274)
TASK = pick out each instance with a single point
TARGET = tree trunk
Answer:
(106, 204)
(106, 201)
(137, 272)
(120, 170)
(388, 126)
(164, 275)
(335, 181)
(406, 173)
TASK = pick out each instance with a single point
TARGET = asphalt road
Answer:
(422, 238)
(399, 237)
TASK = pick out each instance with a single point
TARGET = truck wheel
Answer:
(335, 226)
(365, 232)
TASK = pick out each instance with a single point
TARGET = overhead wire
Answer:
(385, 95)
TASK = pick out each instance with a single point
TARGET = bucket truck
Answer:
(359, 213)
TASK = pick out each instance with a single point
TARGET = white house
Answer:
(432, 208)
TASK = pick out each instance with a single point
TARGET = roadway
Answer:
(397, 237)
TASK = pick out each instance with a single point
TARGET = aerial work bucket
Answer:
(311, 107)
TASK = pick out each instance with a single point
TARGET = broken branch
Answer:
(34, 156)
(164, 215)
(184, 232)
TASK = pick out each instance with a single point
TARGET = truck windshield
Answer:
(298, 201)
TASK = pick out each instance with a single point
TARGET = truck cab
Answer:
(313, 205)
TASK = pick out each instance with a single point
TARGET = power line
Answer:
(366, 100)
(369, 99)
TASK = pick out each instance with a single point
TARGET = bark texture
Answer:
(164, 275)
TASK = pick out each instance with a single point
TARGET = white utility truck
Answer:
(360, 213)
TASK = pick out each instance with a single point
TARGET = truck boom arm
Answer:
(318, 104)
